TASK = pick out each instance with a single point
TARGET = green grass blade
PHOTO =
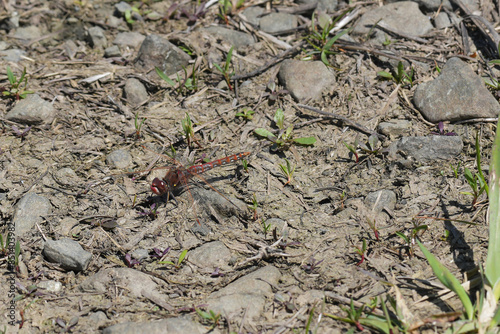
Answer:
(263, 133)
(305, 140)
(448, 280)
(162, 75)
(492, 267)
(10, 75)
(480, 170)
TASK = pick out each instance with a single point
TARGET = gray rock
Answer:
(210, 256)
(29, 211)
(218, 201)
(134, 91)
(32, 110)
(132, 280)
(97, 318)
(121, 8)
(323, 5)
(253, 14)
(66, 225)
(456, 94)
(13, 55)
(96, 38)
(246, 293)
(403, 16)
(442, 21)
(236, 38)
(433, 5)
(67, 253)
(425, 149)
(28, 33)
(394, 127)
(381, 199)
(66, 176)
(50, 285)
(157, 51)
(276, 22)
(112, 51)
(4, 45)
(305, 80)
(119, 158)
(129, 38)
(140, 254)
(180, 325)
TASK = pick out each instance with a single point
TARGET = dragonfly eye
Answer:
(159, 187)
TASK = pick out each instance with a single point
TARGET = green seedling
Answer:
(182, 86)
(387, 41)
(180, 260)
(394, 321)
(211, 317)
(285, 137)
(362, 252)
(370, 149)
(138, 125)
(266, 227)
(476, 182)
(226, 7)
(373, 227)
(225, 70)
(319, 40)
(411, 240)
(27, 292)
(188, 130)
(247, 114)
(17, 252)
(455, 169)
(400, 76)
(254, 207)
(287, 170)
(244, 163)
(4, 251)
(15, 90)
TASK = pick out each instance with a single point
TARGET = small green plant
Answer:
(247, 114)
(371, 148)
(15, 90)
(211, 317)
(476, 182)
(254, 207)
(285, 137)
(182, 86)
(180, 260)
(4, 251)
(138, 125)
(400, 76)
(188, 130)
(266, 227)
(373, 226)
(225, 70)
(27, 292)
(287, 170)
(226, 7)
(318, 39)
(244, 163)
(455, 169)
(410, 241)
(362, 252)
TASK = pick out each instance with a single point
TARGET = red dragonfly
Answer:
(178, 177)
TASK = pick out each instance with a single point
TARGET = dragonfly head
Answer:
(159, 187)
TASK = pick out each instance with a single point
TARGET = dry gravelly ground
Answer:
(317, 222)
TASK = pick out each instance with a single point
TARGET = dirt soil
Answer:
(316, 222)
